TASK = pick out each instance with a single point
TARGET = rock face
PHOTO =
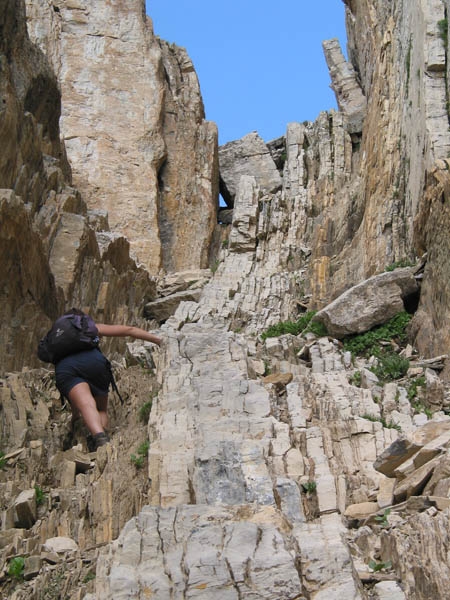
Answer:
(134, 128)
(51, 256)
(369, 303)
(248, 156)
(274, 468)
(350, 98)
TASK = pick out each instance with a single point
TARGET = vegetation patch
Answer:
(355, 379)
(40, 496)
(390, 366)
(399, 264)
(382, 421)
(303, 325)
(144, 411)
(443, 31)
(382, 520)
(140, 456)
(414, 386)
(2, 460)
(380, 566)
(309, 486)
(16, 567)
(421, 408)
(369, 343)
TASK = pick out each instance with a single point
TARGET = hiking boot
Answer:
(100, 439)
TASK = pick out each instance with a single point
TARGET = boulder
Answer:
(247, 156)
(362, 510)
(60, 545)
(397, 453)
(370, 303)
(32, 567)
(281, 379)
(388, 590)
(162, 308)
(414, 483)
(183, 280)
(25, 507)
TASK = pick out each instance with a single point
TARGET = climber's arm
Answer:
(127, 330)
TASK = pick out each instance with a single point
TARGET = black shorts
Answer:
(89, 366)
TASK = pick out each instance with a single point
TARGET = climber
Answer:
(84, 377)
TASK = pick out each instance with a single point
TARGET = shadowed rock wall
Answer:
(134, 128)
(52, 254)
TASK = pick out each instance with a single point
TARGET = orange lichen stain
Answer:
(201, 586)
(148, 592)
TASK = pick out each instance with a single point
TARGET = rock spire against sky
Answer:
(260, 63)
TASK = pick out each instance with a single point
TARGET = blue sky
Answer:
(260, 64)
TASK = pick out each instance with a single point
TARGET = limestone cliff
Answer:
(52, 252)
(134, 128)
(275, 467)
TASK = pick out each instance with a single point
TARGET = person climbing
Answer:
(83, 377)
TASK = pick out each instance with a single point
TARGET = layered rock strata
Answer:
(134, 128)
(53, 252)
(349, 96)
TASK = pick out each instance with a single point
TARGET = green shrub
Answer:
(382, 421)
(40, 496)
(2, 460)
(89, 577)
(143, 448)
(16, 567)
(144, 411)
(317, 328)
(421, 408)
(355, 379)
(303, 324)
(379, 566)
(413, 387)
(383, 519)
(309, 486)
(138, 461)
(368, 343)
(404, 262)
(371, 418)
(142, 451)
(443, 31)
(390, 366)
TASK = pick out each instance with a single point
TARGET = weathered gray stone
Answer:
(434, 394)
(202, 551)
(60, 545)
(32, 567)
(158, 120)
(245, 216)
(395, 455)
(162, 308)
(388, 590)
(25, 508)
(325, 560)
(349, 96)
(414, 483)
(361, 510)
(369, 303)
(248, 156)
(181, 281)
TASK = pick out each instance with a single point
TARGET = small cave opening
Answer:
(411, 302)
